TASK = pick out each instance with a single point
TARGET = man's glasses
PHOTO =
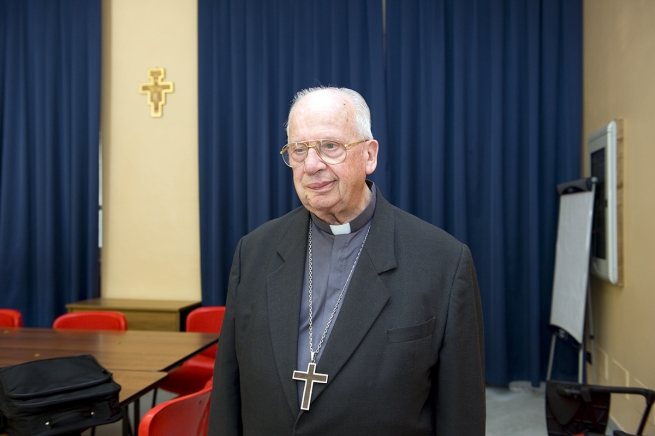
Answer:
(330, 151)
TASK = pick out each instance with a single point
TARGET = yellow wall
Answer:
(150, 165)
(619, 82)
(151, 232)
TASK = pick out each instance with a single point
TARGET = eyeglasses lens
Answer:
(332, 152)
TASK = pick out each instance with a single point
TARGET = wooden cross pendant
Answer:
(310, 377)
(156, 91)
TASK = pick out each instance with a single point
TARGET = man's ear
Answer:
(371, 155)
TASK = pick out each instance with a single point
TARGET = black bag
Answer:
(57, 396)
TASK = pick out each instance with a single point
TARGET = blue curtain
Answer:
(485, 112)
(49, 139)
(253, 57)
(477, 107)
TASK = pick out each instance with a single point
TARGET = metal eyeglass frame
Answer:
(315, 145)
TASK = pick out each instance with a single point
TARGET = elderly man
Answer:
(347, 316)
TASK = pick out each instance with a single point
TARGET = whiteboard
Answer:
(572, 263)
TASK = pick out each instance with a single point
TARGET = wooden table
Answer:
(137, 359)
(165, 315)
(130, 350)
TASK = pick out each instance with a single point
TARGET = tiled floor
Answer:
(515, 411)
(520, 410)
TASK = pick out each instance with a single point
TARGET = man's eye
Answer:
(329, 146)
(299, 150)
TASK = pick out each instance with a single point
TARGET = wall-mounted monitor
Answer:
(603, 156)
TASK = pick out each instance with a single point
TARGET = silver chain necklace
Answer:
(310, 376)
(313, 353)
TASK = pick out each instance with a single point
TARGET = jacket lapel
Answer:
(366, 297)
(284, 287)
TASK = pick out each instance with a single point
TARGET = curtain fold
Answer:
(49, 139)
(477, 105)
(488, 94)
(253, 57)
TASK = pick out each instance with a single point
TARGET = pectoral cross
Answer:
(156, 91)
(310, 377)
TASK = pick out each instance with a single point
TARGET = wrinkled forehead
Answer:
(321, 111)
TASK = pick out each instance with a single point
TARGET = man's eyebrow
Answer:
(318, 139)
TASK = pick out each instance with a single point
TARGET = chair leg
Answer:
(154, 397)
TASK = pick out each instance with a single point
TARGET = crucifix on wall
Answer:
(156, 90)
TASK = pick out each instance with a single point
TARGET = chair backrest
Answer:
(187, 415)
(575, 408)
(208, 319)
(10, 318)
(92, 320)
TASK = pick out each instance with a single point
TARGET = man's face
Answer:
(334, 193)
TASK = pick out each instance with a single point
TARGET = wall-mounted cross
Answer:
(156, 91)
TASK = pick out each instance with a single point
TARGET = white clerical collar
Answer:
(341, 229)
(357, 223)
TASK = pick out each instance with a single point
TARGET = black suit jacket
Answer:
(405, 356)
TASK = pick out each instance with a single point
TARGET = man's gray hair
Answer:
(362, 112)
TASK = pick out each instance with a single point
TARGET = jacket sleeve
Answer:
(225, 407)
(458, 387)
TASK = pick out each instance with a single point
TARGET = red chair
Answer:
(187, 415)
(10, 318)
(93, 320)
(195, 372)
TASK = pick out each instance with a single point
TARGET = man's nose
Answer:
(313, 163)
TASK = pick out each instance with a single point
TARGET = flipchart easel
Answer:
(571, 291)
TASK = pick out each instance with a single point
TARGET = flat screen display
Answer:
(599, 228)
(602, 146)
